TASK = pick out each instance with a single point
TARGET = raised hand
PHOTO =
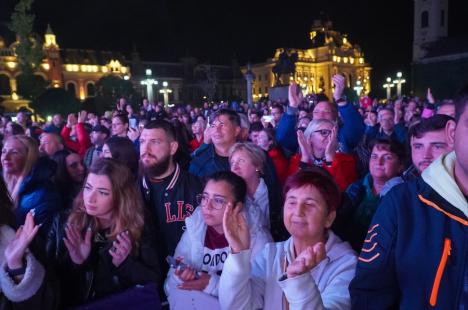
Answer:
(82, 116)
(133, 133)
(295, 95)
(306, 260)
(332, 145)
(236, 229)
(207, 134)
(15, 250)
(121, 248)
(429, 96)
(77, 246)
(305, 147)
(339, 82)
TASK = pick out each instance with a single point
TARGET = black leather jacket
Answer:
(97, 277)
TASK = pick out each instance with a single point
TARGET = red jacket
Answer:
(281, 164)
(343, 169)
(195, 144)
(82, 136)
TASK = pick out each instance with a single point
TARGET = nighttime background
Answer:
(216, 31)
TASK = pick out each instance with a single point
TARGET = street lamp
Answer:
(149, 82)
(398, 82)
(358, 88)
(388, 86)
(165, 91)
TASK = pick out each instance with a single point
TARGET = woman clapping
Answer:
(103, 246)
(310, 270)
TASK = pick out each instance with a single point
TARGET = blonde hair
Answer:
(314, 124)
(13, 182)
(128, 206)
(256, 154)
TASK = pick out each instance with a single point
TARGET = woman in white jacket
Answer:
(201, 247)
(247, 161)
(311, 270)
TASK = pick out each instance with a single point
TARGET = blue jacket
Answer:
(38, 192)
(415, 255)
(349, 134)
(399, 133)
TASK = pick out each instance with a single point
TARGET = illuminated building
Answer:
(76, 70)
(330, 53)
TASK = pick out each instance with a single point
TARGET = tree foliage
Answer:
(109, 89)
(28, 50)
(55, 100)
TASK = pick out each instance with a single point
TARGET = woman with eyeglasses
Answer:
(310, 270)
(319, 147)
(203, 248)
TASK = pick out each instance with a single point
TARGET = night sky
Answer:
(216, 31)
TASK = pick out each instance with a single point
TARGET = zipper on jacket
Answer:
(440, 271)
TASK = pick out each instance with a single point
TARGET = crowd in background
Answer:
(309, 203)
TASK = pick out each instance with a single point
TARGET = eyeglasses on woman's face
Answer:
(324, 132)
(217, 202)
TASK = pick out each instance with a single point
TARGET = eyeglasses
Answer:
(324, 132)
(217, 202)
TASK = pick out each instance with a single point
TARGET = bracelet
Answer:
(16, 272)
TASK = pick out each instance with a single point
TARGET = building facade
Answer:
(75, 70)
(440, 62)
(330, 52)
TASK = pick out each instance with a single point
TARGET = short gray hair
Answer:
(256, 154)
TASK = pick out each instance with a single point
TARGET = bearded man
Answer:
(169, 192)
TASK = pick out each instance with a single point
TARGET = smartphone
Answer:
(267, 118)
(133, 123)
(174, 263)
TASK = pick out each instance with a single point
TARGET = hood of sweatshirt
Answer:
(440, 176)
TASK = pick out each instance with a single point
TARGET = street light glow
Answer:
(164, 84)
(149, 72)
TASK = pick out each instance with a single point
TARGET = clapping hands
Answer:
(306, 260)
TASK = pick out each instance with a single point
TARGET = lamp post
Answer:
(249, 76)
(399, 81)
(388, 86)
(165, 91)
(149, 82)
(358, 88)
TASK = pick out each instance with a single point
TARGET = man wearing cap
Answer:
(98, 136)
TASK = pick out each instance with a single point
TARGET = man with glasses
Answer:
(387, 128)
(169, 191)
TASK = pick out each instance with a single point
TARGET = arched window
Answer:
(424, 19)
(90, 89)
(71, 88)
(5, 85)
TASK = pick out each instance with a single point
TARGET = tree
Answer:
(28, 50)
(55, 101)
(109, 89)
(207, 80)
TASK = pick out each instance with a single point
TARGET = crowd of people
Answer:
(310, 203)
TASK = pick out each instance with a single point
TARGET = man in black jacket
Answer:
(169, 192)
